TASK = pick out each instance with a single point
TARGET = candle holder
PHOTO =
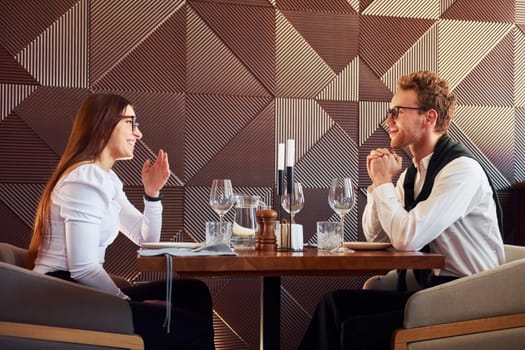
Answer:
(280, 188)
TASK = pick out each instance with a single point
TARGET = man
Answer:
(443, 202)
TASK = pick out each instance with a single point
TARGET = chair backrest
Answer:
(514, 252)
(12, 254)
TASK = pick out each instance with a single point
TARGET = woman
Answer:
(83, 208)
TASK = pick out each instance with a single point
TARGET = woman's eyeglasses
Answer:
(134, 124)
(394, 111)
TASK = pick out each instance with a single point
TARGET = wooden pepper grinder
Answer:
(265, 238)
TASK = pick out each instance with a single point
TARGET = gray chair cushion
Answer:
(498, 291)
(36, 298)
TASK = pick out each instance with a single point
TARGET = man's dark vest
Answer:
(445, 151)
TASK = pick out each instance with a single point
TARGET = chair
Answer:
(42, 312)
(482, 311)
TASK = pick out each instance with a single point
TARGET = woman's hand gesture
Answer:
(156, 174)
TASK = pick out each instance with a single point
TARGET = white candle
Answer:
(290, 155)
(280, 157)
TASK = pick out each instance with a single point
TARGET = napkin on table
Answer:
(214, 249)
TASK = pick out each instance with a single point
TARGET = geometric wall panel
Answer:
(197, 211)
(303, 120)
(519, 139)
(494, 70)
(211, 123)
(334, 155)
(56, 110)
(411, 61)
(462, 45)
(371, 114)
(212, 67)
(59, 55)
(472, 120)
(519, 14)
(298, 80)
(29, 158)
(12, 95)
(330, 30)
(237, 303)
(152, 65)
(14, 229)
(371, 88)
(498, 179)
(363, 4)
(296, 319)
(23, 21)
(402, 8)
(481, 11)
(345, 86)
(299, 298)
(248, 31)
(345, 114)
(22, 200)
(11, 71)
(519, 68)
(129, 23)
(248, 158)
(355, 4)
(329, 6)
(378, 49)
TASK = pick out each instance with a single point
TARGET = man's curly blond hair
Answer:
(432, 93)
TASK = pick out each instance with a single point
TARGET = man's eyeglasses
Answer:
(134, 124)
(394, 112)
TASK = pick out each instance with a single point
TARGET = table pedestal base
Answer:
(270, 331)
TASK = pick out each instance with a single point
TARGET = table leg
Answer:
(270, 325)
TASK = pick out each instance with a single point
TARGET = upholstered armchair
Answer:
(42, 312)
(482, 311)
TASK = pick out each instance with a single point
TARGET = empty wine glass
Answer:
(221, 197)
(341, 198)
(293, 203)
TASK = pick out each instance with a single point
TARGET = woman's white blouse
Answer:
(88, 209)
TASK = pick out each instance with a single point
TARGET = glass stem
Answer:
(342, 229)
(220, 223)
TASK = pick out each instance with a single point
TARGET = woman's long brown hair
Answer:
(94, 122)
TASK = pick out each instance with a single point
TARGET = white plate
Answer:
(159, 245)
(366, 245)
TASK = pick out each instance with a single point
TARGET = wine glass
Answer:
(341, 198)
(293, 203)
(221, 198)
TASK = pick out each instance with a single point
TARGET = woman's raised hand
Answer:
(156, 174)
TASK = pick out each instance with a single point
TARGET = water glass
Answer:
(217, 232)
(329, 235)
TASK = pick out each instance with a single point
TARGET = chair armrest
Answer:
(496, 292)
(30, 297)
(402, 337)
(71, 336)
(514, 252)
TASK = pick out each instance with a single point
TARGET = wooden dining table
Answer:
(270, 266)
